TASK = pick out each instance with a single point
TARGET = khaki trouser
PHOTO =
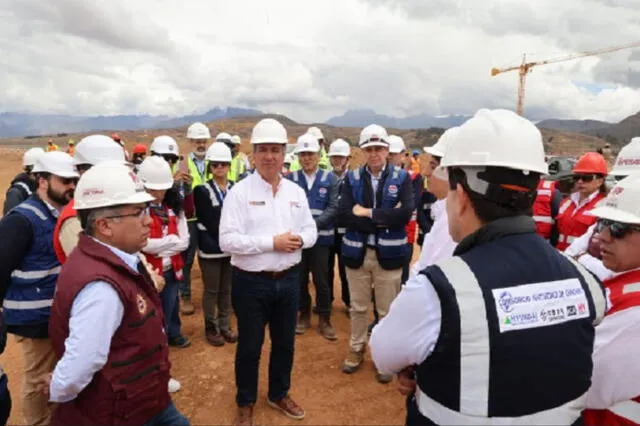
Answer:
(39, 359)
(361, 282)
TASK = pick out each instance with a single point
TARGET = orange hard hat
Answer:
(139, 149)
(591, 162)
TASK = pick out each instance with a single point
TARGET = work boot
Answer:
(353, 361)
(244, 417)
(288, 407)
(304, 322)
(229, 335)
(186, 307)
(383, 378)
(326, 329)
(213, 336)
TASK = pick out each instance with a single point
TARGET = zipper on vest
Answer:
(140, 375)
(142, 320)
(137, 358)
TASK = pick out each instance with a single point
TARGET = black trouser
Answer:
(258, 301)
(336, 252)
(316, 261)
(189, 256)
(5, 406)
(407, 262)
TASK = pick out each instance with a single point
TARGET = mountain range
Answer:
(27, 125)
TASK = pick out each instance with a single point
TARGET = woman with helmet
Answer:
(214, 264)
(572, 221)
(139, 154)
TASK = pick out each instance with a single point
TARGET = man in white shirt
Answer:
(438, 244)
(107, 323)
(614, 396)
(265, 224)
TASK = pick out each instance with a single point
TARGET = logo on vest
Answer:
(142, 304)
(322, 191)
(393, 189)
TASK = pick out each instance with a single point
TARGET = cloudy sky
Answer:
(314, 59)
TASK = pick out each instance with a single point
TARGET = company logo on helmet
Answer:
(617, 190)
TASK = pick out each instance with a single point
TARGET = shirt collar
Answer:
(384, 167)
(266, 184)
(575, 197)
(55, 212)
(130, 259)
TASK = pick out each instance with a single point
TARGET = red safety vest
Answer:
(542, 208)
(67, 212)
(624, 293)
(156, 231)
(573, 224)
(412, 227)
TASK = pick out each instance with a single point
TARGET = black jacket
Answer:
(22, 186)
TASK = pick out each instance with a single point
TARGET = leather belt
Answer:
(274, 275)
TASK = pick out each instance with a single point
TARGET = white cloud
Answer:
(312, 60)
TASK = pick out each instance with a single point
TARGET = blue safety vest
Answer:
(30, 295)
(389, 243)
(318, 197)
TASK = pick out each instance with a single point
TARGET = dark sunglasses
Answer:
(171, 159)
(616, 229)
(585, 178)
(216, 165)
(68, 181)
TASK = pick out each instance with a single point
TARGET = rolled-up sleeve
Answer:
(233, 236)
(308, 228)
(96, 314)
(410, 331)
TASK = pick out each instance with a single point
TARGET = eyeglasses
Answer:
(68, 181)
(584, 178)
(216, 165)
(139, 214)
(617, 230)
(171, 159)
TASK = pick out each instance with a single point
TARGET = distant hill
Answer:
(620, 133)
(17, 124)
(572, 125)
(364, 117)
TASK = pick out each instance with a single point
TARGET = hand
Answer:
(286, 242)
(360, 211)
(157, 278)
(407, 381)
(43, 384)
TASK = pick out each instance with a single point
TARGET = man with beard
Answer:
(23, 185)
(29, 269)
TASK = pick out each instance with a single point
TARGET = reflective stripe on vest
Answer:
(544, 192)
(569, 239)
(544, 219)
(29, 304)
(629, 410)
(35, 275)
(25, 187)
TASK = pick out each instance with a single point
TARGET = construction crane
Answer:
(525, 67)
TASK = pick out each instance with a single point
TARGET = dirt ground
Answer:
(206, 373)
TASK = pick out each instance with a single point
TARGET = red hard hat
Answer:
(591, 162)
(139, 149)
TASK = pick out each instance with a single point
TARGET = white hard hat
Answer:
(122, 187)
(236, 140)
(165, 145)
(497, 138)
(316, 132)
(373, 135)
(628, 160)
(623, 202)
(218, 152)
(269, 130)
(155, 173)
(440, 147)
(396, 144)
(31, 156)
(307, 143)
(224, 137)
(57, 163)
(198, 131)
(94, 149)
(339, 148)
(289, 158)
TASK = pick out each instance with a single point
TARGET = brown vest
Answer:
(131, 388)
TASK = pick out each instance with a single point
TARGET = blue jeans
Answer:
(258, 301)
(171, 305)
(189, 256)
(169, 417)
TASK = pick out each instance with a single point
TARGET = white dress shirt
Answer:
(169, 244)
(96, 314)
(593, 264)
(408, 334)
(252, 215)
(310, 178)
(438, 244)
